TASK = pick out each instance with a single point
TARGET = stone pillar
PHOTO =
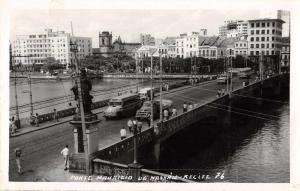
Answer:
(75, 140)
(77, 162)
(135, 171)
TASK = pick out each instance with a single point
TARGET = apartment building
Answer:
(265, 36)
(285, 54)
(147, 39)
(233, 28)
(49, 44)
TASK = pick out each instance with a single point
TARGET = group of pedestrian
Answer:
(132, 124)
(187, 107)
(221, 92)
(34, 119)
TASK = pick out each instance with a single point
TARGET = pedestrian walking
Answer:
(166, 114)
(55, 116)
(37, 120)
(190, 107)
(129, 125)
(123, 133)
(148, 119)
(77, 109)
(32, 119)
(18, 153)
(139, 126)
(184, 107)
(174, 112)
(13, 125)
(219, 93)
(66, 154)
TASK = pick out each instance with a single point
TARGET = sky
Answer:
(126, 23)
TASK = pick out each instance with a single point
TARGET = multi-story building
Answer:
(241, 47)
(49, 44)
(285, 54)
(191, 44)
(179, 47)
(264, 36)
(147, 39)
(233, 28)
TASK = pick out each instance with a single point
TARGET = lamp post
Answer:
(74, 49)
(30, 91)
(160, 89)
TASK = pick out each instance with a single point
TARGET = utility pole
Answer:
(160, 94)
(261, 67)
(191, 70)
(30, 90)
(136, 70)
(230, 76)
(16, 95)
(74, 49)
(227, 76)
(151, 96)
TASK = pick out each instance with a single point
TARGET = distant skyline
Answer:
(127, 23)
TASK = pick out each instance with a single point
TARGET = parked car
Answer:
(145, 110)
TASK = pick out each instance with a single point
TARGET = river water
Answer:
(255, 148)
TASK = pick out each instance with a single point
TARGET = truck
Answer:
(145, 111)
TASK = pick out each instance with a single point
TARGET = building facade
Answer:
(147, 39)
(179, 44)
(285, 54)
(241, 47)
(105, 43)
(264, 37)
(49, 44)
(233, 28)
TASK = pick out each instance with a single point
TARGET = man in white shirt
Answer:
(65, 152)
(123, 133)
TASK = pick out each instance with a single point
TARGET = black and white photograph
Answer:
(182, 96)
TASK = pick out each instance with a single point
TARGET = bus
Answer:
(123, 106)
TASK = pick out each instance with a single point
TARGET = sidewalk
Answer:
(28, 128)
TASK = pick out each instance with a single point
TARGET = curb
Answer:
(47, 126)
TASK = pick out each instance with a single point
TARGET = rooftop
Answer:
(266, 19)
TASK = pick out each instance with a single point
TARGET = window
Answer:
(257, 31)
(257, 45)
(252, 39)
(272, 52)
(257, 24)
(267, 45)
(252, 31)
(268, 24)
(252, 46)
(262, 45)
(252, 25)
(263, 24)
(273, 24)
(267, 52)
(245, 45)
(257, 38)
(262, 38)
(273, 31)
(268, 39)
(236, 52)
(272, 45)
(262, 31)
(273, 38)
(257, 52)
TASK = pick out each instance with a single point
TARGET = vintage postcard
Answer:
(148, 97)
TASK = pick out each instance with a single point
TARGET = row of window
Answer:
(265, 24)
(263, 52)
(241, 45)
(264, 39)
(273, 31)
(262, 46)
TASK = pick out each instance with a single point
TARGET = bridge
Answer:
(208, 108)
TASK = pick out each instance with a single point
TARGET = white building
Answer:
(179, 47)
(233, 28)
(49, 44)
(264, 36)
(241, 47)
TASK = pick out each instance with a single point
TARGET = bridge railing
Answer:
(117, 171)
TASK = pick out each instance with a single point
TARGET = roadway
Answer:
(41, 149)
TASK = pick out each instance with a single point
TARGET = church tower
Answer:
(105, 43)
